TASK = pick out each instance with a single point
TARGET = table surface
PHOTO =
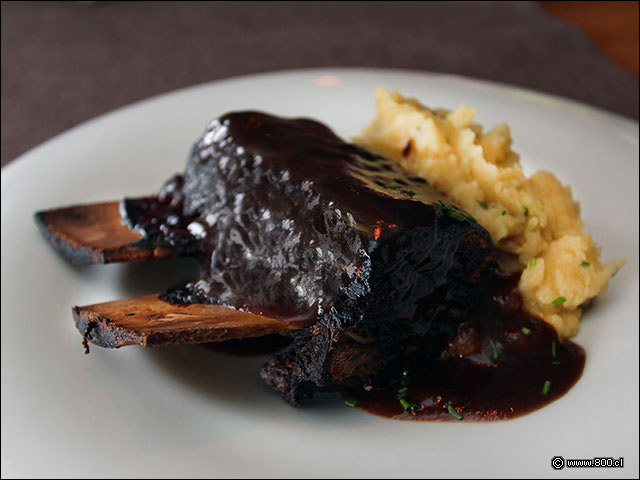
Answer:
(66, 62)
(612, 26)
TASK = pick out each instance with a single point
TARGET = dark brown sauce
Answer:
(501, 364)
(285, 216)
(310, 211)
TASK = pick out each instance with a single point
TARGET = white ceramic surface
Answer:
(187, 411)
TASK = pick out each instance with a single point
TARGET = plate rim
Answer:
(194, 89)
(533, 96)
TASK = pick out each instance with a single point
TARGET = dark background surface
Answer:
(66, 62)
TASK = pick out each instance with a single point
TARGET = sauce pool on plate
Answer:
(501, 364)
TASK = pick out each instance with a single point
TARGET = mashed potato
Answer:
(535, 218)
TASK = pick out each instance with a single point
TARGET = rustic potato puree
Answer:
(535, 218)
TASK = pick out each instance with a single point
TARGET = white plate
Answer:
(186, 411)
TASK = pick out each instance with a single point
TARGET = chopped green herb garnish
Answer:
(352, 402)
(553, 349)
(495, 350)
(546, 387)
(504, 212)
(559, 301)
(585, 264)
(526, 212)
(553, 236)
(409, 192)
(407, 405)
(453, 412)
(557, 362)
(461, 217)
(526, 331)
(393, 186)
(483, 204)
(448, 206)
(402, 392)
(457, 216)
(532, 262)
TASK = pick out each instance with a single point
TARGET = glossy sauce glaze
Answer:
(501, 364)
(287, 218)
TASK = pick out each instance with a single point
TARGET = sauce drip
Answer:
(501, 364)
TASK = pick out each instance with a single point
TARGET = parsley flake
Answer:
(559, 301)
(352, 402)
(495, 349)
(456, 216)
(407, 405)
(402, 393)
(454, 413)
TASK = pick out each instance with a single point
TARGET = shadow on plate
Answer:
(227, 372)
(145, 278)
(235, 382)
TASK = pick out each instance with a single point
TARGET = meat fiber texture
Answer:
(296, 224)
